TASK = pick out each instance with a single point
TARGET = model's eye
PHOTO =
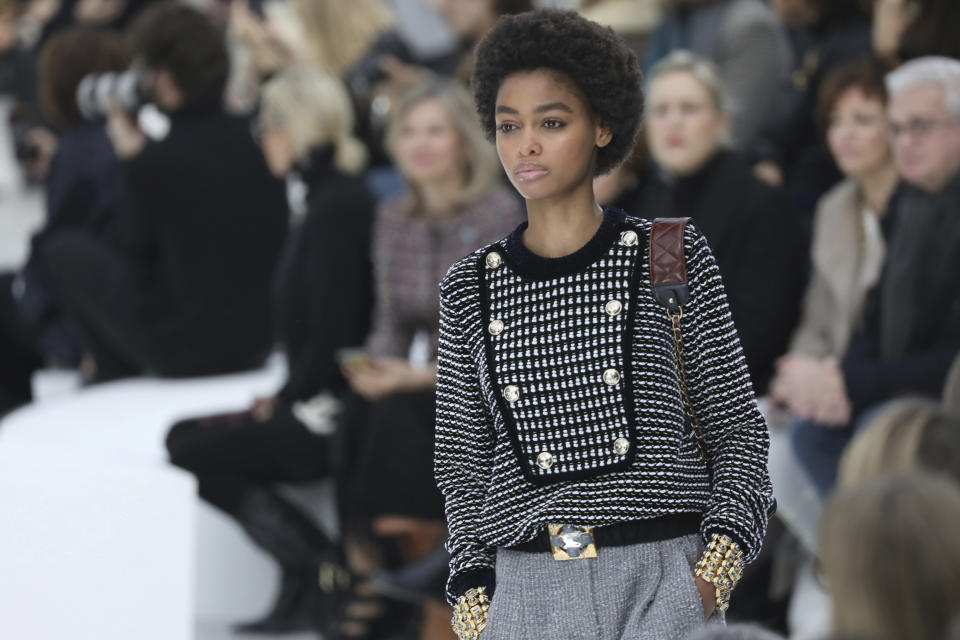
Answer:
(505, 127)
(554, 124)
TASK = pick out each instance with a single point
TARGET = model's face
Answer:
(925, 137)
(547, 138)
(684, 126)
(857, 133)
(427, 147)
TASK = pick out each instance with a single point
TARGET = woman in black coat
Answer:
(760, 243)
(323, 304)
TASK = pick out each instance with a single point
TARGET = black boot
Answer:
(306, 556)
(414, 583)
(291, 611)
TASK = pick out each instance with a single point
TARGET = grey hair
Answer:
(930, 70)
(701, 69)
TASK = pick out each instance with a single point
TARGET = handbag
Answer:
(668, 277)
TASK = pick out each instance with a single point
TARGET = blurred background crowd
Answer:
(226, 180)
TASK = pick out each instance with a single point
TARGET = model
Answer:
(594, 451)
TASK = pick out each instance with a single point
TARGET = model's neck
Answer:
(560, 226)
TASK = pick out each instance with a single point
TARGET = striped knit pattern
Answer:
(484, 448)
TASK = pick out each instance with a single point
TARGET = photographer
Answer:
(183, 288)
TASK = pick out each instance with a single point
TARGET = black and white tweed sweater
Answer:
(558, 399)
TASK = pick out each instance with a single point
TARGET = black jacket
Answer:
(203, 222)
(324, 289)
(912, 331)
(82, 191)
(760, 243)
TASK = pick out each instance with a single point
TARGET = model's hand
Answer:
(708, 593)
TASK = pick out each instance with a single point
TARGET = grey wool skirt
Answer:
(637, 592)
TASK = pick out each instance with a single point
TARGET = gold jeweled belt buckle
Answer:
(570, 542)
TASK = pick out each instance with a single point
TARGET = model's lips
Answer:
(529, 171)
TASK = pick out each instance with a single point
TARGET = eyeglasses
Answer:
(916, 127)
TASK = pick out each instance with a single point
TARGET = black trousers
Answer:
(100, 297)
(387, 458)
(232, 453)
(19, 357)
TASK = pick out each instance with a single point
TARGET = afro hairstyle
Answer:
(598, 62)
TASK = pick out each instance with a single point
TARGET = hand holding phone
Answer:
(353, 359)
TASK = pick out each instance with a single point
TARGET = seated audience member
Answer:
(332, 36)
(890, 557)
(184, 288)
(789, 152)
(324, 299)
(747, 44)
(81, 189)
(908, 434)
(632, 20)
(908, 29)
(758, 241)
(470, 20)
(912, 333)
(453, 205)
(848, 243)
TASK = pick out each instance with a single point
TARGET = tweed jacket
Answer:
(558, 399)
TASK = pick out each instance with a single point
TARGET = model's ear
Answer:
(603, 135)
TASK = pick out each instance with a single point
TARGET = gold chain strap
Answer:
(681, 374)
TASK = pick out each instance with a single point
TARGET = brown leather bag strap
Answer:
(668, 276)
(668, 266)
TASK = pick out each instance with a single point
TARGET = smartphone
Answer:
(353, 358)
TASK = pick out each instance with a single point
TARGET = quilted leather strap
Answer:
(668, 266)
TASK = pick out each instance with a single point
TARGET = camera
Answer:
(97, 91)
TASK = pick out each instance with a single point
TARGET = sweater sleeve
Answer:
(723, 401)
(463, 455)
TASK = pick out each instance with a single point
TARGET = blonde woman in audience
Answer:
(330, 35)
(908, 434)
(758, 241)
(323, 302)
(453, 205)
(890, 556)
(345, 39)
(848, 242)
